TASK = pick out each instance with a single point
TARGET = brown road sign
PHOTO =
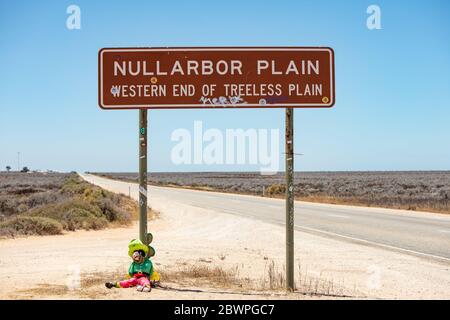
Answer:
(242, 77)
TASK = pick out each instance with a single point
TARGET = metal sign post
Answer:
(143, 175)
(289, 172)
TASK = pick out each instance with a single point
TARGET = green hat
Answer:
(135, 245)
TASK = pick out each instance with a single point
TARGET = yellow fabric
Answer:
(155, 276)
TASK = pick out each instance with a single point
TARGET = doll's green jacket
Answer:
(144, 267)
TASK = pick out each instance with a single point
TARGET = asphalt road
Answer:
(422, 234)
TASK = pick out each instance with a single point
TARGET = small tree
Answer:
(25, 169)
(8, 168)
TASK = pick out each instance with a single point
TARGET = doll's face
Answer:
(137, 257)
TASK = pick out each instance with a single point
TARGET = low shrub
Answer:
(63, 201)
(73, 215)
(111, 211)
(276, 189)
(25, 225)
(74, 186)
(79, 218)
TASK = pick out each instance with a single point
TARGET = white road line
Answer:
(340, 216)
(337, 235)
(368, 242)
(376, 244)
(274, 207)
(444, 230)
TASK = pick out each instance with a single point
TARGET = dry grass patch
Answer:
(273, 279)
(93, 279)
(42, 290)
(200, 274)
(305, 283)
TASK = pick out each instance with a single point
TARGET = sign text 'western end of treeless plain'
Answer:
(170, 78)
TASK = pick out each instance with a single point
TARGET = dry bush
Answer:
(276, 189)
(199, 273)
(273, 279)
(65, 199)
(24, 225)
(99, 278)
(21, 190)
(73, 215)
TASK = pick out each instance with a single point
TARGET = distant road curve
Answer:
(421, 234)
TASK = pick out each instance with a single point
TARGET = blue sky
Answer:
(392, 85)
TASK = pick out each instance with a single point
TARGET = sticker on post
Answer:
(143, 191)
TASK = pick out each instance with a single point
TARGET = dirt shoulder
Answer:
(76, 265)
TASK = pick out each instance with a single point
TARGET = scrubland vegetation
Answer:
(273, 279)
(411, 190)
(51, 203)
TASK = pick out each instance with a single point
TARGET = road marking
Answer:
(444, 231)
(274, 207)
(376, 244)
(340, 216)
(337, 235)
(368, 242)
